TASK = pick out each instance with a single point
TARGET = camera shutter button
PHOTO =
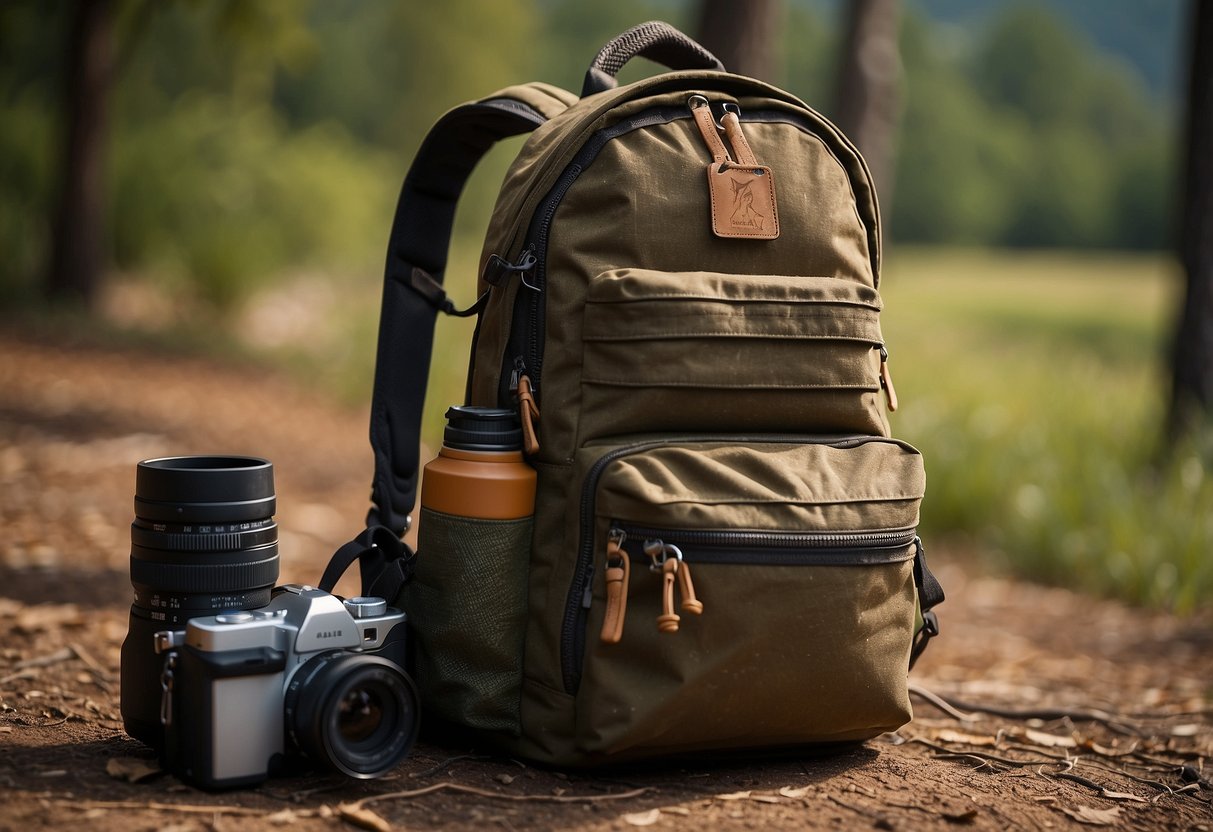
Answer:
(233, 618)
(365, 607)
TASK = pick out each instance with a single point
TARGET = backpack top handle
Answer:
(654, 40)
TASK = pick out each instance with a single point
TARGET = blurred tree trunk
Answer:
(76, 254)
(741, 35)
(1192, 363)
(868, 95)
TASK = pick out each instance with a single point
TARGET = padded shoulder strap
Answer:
(412, 286)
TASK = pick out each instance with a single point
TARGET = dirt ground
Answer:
(1097, 714)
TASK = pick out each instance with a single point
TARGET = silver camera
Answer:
(308, 680)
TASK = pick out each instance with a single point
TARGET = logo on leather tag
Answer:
(743, 201)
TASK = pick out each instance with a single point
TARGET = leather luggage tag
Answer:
(743, 201)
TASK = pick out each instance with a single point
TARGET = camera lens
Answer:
(203, 540)
(355, 713)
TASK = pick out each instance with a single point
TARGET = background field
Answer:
(254, 152)
(1034, 385)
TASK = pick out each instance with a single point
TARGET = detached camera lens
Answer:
(355, 713)
(204, 540)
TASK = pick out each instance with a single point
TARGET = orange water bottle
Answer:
(479, 472)
(467, 601)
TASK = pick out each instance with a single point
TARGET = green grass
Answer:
(1034, 385)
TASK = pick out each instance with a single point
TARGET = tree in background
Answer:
(76, 243)
(1192, 388)
(741, 35)
(868, 97)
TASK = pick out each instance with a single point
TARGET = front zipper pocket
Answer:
(704, 351)
(745, 592)
(670, 554)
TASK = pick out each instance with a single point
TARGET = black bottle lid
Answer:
(470, 428)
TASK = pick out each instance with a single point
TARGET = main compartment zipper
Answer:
(527, 328)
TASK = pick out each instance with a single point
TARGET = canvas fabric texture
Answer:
(681, 298)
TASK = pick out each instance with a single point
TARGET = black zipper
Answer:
(766, 548)
(529, 326)
(577, 603)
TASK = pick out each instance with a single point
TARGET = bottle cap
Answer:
(470, 428)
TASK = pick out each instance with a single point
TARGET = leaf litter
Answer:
(1029, 668)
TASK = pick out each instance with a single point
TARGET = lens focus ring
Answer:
(225, 538)
(206, 577)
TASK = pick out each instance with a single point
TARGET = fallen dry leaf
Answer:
(1122, 796)
(131, 769)
(788, 791)
(675, 810)
(948, 735)
(1049, 740)
(362, 817)
(282, 817)
(642, 818)
(1189, 730)
(734, 796)
(1092, 817)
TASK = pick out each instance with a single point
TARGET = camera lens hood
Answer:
(200, 489)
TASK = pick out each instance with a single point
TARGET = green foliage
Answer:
(1042, 437)
(227, 197)
(1026, 136)
(249, 140)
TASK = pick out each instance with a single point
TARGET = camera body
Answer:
(308, 678)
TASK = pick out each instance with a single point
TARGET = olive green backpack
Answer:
(680, 299)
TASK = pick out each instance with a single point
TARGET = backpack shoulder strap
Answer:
(413, 294)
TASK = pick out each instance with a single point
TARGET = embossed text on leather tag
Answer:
(743, 201)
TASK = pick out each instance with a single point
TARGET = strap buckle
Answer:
(930, 629)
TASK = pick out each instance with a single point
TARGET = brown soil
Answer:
(73, 422)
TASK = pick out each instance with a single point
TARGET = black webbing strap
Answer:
(930, 593)
(413, 294)
(385, 563)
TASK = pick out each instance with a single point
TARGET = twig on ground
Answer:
(47, 660)
(28, 673)
(417, 775)
(86, 657)
(944, 751)
(187, 808)
(537, 798)
(942, 704)
(184, 808)
(956, 708)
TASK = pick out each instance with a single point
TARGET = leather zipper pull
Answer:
(667, 622)
(741, 195)
(528, 414)
(886, 379)
(690, 603)
(618, 570)
(741, 147)
(707, 128)
(666, 560)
